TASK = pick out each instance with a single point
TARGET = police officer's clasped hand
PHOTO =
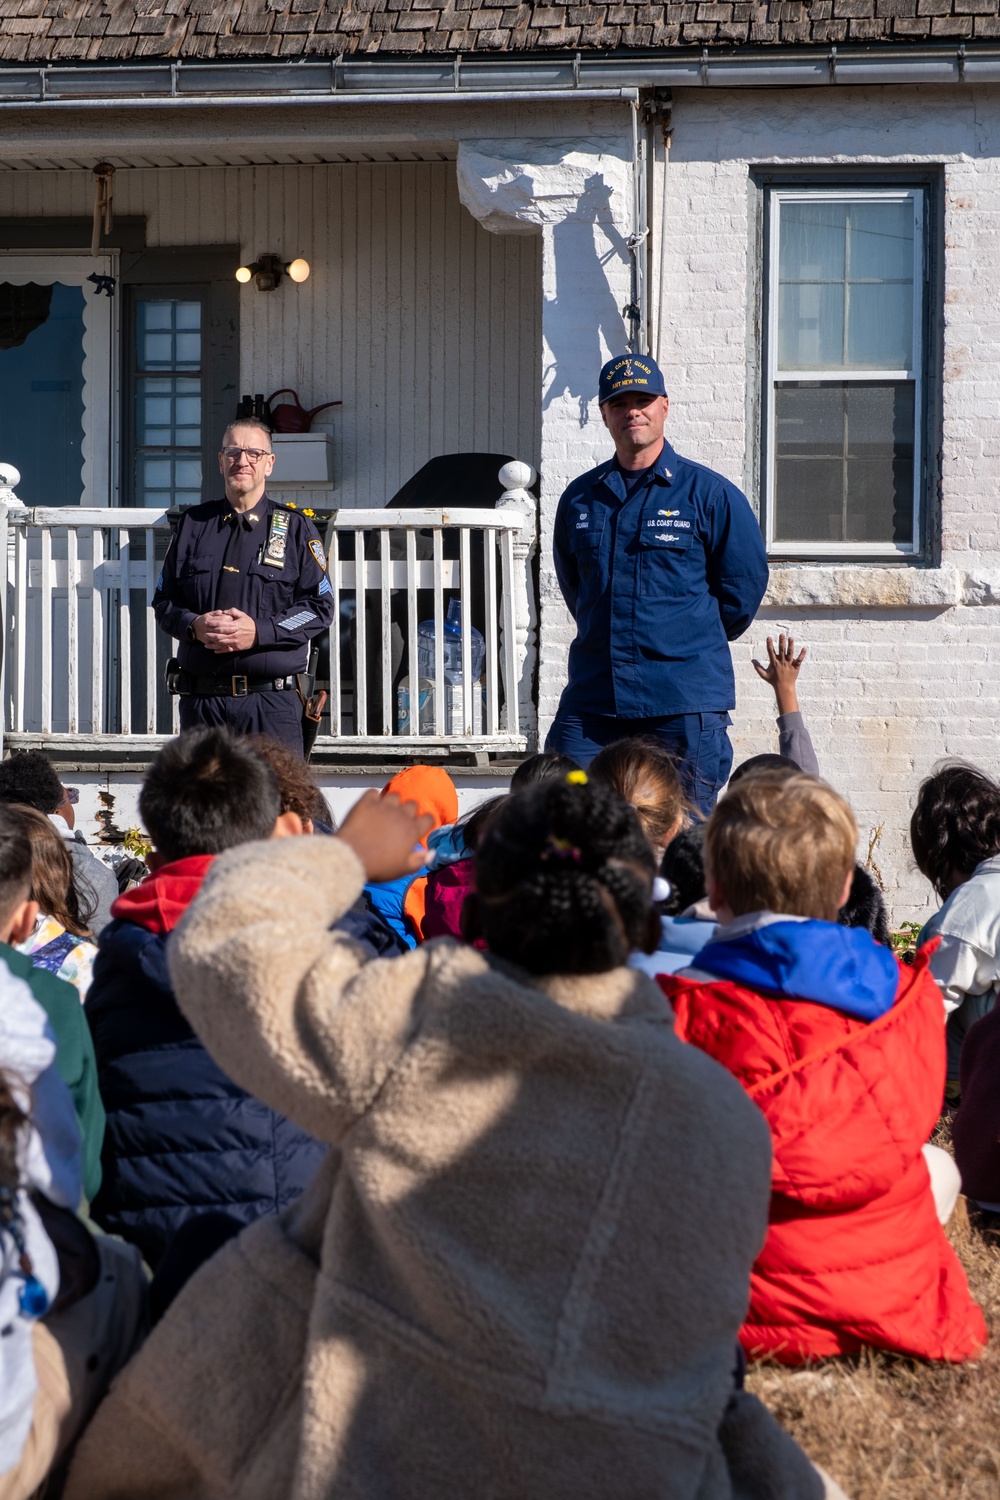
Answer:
(224, 630)
(386, 835)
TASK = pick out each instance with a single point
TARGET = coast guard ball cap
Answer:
(630, 372)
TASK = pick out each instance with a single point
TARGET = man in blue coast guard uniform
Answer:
(243, 590)
(661, 563)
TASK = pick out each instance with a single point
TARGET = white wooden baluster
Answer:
(412, 632)
(361, 634)
(439, 719)
(469, 688)
(97, 599)
(72, 629)
(490, 589)
(45, 595)
(508, 633)
(388, 706)
(336, 705)
(518, 653)
(124, 629)
(21, 622)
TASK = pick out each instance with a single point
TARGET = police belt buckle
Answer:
(240, 687)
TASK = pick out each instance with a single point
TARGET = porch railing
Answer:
(83, 661)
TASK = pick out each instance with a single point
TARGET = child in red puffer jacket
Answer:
(843, 1050)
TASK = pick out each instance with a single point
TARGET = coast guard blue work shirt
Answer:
(658, 583)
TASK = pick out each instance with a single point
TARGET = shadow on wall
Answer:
(577, 350)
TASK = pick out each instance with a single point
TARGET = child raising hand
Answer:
(782, 673)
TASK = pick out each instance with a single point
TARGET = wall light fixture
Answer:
(267, 271)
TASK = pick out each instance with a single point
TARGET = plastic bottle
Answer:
(453, 682)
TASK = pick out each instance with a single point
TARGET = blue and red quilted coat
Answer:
(843, 1050)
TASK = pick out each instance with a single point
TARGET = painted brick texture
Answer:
(886, 692)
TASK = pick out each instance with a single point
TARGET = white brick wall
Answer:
(887, 691)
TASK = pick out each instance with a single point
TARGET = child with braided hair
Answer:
(507, 1278)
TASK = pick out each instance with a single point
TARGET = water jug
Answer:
(454, 687)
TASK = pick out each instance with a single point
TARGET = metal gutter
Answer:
(289, 97)
(485, 80)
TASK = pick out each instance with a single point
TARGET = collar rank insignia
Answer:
(277, 539)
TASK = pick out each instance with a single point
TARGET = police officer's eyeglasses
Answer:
(253, 454)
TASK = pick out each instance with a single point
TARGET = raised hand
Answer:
(386, 834)
(782, 672)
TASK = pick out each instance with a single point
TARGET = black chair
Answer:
(451, 481)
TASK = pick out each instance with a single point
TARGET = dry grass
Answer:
(892, 1429)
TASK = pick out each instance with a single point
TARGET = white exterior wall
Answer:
(903, 668)
(422, 323)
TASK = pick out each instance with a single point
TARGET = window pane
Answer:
(880, 328)
(41, 380)
(810, 325)
(168, 412)
(845, 285)
(168, 335)
(881, 241)
(844, 462)
(168, 481)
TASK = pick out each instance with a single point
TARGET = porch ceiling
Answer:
(221, 156)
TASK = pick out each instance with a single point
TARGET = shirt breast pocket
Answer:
(196, 585)
(585, 545)
(269, 589)
(665, 560)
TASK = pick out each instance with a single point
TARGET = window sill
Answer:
(868, 586)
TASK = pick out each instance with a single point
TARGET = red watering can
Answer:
(294, 418)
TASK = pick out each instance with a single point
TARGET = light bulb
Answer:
(299, 270)
(244, 274)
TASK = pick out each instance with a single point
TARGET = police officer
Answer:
(244, 589)
(661, 563)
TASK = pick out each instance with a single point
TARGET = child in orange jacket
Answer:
(842, 1048)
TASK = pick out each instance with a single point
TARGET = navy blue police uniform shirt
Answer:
(658, 580)
(288, 595)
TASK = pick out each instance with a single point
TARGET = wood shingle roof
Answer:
(94, 31)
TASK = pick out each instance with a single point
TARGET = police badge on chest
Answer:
(277, 539)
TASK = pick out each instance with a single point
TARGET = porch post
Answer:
(577, 194)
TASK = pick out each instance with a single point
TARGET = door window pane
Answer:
(844, 458)
(168, 404)
(41, 380)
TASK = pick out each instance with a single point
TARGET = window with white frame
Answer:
(843, 399)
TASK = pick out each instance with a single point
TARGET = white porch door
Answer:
(57, 338)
